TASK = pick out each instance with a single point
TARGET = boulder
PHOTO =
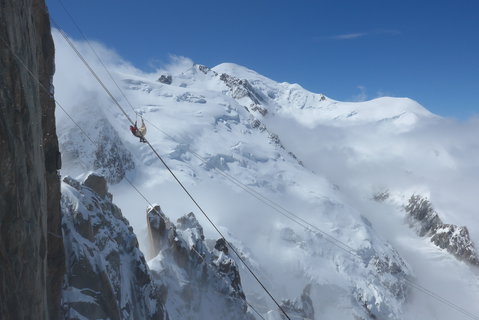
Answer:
(166, 79)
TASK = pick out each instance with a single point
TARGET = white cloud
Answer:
(362, 95)
(348, 36)
(178, 64)
(358, 35)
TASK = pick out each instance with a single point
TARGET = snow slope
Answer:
(321, 159)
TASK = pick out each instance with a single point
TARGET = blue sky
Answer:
(348, 50)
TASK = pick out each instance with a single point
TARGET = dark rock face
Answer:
(456, 240)
(107, 276)
(203, 282)
(203, 68)
(381, 196)
(97, 183)
(241, 88)
(420, 211)
(166, 79)
(31, 245)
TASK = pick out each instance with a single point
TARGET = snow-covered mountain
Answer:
(106, 273)
(321, 159)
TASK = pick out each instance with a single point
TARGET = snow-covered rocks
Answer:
(106, 274)
(202, 280)
(422, 216)
(165, 79)
(456, 240)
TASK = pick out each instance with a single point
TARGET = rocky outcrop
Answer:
(241, 88)
(166, 79)
(202, 280)
(107, 276)
(203, 68)
(31, 245)
(456, 240)
(381, 196)
(422, 216)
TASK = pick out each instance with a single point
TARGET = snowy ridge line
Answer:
(329, 238)
(168, 168)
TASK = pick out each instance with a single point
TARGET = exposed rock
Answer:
(456, 240)
(257, 108)
(31, 245)
(255, 123)
(97, 183)
(166, 79)
(203, 68)
(220, 245)
(420, 214)
(381, 196)
(241, 88)
(107, 276)
(202, 282)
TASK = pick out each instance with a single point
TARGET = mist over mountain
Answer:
(348, 168)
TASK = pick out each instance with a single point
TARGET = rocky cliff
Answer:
(455, 239)
(200, 279)
(107, 276)
(31, 245)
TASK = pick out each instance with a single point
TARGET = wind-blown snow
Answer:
(320, 158)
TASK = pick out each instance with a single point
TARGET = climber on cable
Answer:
(140, 133)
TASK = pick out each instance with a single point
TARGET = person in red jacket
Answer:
(140, 133)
